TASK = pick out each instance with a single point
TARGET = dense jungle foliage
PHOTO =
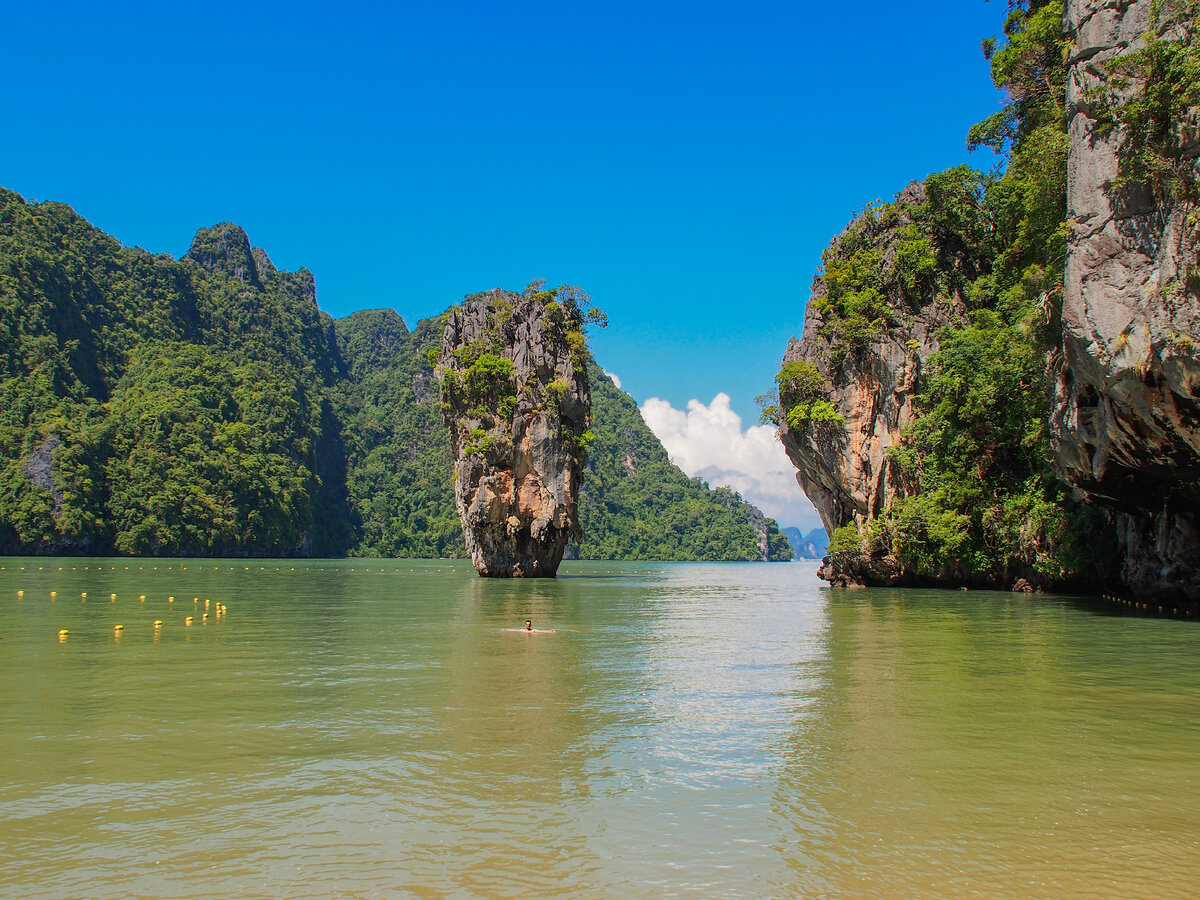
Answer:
(981, 498)
(636, 504)
(206, 406)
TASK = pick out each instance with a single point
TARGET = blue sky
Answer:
(685, 163)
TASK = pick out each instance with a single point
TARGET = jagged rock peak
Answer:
(262, 262)
(302, 285)
(225, 248)
(515, 396)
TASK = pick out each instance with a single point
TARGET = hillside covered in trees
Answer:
(206, 406)
(996, 381)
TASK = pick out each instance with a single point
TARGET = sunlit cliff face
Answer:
(517, 403)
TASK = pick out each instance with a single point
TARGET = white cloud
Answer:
(709, 441)
(615, 379)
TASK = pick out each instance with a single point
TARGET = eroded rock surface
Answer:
(1126, 421)
(517, 404)
(844, 469)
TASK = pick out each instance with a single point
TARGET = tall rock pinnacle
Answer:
(513, 369)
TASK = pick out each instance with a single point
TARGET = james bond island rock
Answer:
(513, 370)
(1126, 419)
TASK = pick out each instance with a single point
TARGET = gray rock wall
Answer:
(1126, 411)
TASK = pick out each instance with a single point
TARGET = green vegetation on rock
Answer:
(159, 405)
(894, 256)
(803, 394)
(980, 501)
(398, 463)
(205, 406)
(1152, 94)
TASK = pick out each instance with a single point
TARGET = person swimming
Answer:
(529, 629)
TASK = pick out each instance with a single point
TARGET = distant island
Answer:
(813, 545)
(206, 406)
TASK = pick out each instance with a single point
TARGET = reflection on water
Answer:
(367, 729)
(996, 746)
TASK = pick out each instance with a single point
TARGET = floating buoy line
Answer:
(1144, 607)
(219, 610)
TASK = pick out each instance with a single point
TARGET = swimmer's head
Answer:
(529, 624)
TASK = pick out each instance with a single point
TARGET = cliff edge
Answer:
(847, 386)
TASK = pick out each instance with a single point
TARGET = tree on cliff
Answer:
(973, 262)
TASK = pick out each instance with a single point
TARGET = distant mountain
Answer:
(636, 504)
(206, 406)
(813, 545)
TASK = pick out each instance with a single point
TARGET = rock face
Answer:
(1125, 425)
(39, 469)
(517, 404)
(844, 469)
(226, 248)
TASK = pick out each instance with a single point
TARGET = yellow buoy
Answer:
(141, 597)
(158, 623)
(112, 596)
(20, 593)
(83, 596)
(187, 621)
(53, 594)
(170, 599)
(63, 633)
(118, 628)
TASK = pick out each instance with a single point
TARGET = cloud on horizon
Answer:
(709, 442)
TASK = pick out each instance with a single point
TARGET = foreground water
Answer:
(366, 729)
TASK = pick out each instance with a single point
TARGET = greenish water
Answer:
(366, 729)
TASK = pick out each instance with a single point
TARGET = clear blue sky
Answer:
(685, 163)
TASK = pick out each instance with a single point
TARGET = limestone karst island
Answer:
(600, 450)
(995, 386)
(998, 379)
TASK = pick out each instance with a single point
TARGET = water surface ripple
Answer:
(367, 729)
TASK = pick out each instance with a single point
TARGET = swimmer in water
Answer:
(529, 629)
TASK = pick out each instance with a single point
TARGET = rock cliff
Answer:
(1125, 425)
(1044, 399)
(513, 370)
(870, 380)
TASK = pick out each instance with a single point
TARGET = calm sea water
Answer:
(366, 729)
